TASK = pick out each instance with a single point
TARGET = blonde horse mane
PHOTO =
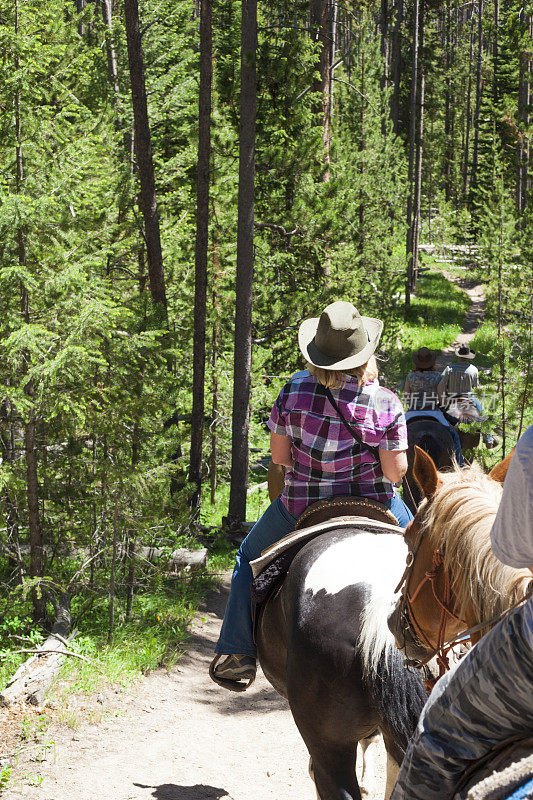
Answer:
(461, 514)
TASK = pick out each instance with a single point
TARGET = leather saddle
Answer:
(344, 506)
(324, 515)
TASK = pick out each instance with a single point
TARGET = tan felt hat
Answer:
(340, 338)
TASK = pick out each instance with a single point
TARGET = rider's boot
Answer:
(233, 671)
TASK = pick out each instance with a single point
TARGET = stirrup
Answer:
(226, 683)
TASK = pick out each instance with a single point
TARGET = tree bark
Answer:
(202, 244)
(419, 150)
(321, 19)
(30, 450)
(245, 267)
(112, 68)
(396, 67)
(33, 678)
(80, 6)
(143, 150)
(479, 88)
(412, 153)
(214, 362)
(468, 114)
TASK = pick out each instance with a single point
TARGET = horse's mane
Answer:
(461, 514)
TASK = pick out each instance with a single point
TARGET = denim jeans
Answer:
(487, 437)
(236, 634)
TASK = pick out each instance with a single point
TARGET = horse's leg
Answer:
(333, 771)
(393, 769)
(312, 774)
(369, 748)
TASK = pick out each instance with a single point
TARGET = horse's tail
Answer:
(399, 694)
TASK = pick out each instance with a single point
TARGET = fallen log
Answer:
(31, 681)
(181, 558)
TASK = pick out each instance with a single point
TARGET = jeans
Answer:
(236, 634)
(487, 437)
(486, 698)
(457, 443)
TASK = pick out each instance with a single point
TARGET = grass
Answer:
(155, 635)
(434, 320)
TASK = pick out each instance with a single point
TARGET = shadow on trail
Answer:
(173, 791)
(261, 701)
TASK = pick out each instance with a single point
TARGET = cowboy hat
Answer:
(464, 351)
(424, 357)
(340, 338)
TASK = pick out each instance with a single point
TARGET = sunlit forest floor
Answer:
(158, 631)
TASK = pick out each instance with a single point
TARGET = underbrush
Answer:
(154, 635)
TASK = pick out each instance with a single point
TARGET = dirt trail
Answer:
(474, 316)
(178, 736)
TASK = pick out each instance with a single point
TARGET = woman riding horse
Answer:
(337, 432)
(488, 697)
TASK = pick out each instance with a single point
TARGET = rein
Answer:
(409, 621)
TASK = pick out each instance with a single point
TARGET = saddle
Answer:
(357, 512)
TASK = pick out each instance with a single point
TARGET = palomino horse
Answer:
(453, 581)
(454, 587)
(323, 643)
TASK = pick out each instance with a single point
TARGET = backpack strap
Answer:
(356, 436)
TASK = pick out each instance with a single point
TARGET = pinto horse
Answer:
(454, 586)
(323, 643)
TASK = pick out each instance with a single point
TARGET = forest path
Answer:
(473, 289)
(178, 736)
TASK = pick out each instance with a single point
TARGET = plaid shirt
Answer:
(326, 460)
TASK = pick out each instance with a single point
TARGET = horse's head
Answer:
(452, 580)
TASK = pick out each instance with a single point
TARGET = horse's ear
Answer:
(499, 472)
(425, 473)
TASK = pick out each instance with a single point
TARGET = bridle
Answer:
(408, 621)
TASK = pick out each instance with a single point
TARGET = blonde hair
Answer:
(336, 379)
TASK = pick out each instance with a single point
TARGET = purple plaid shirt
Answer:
(326, 459)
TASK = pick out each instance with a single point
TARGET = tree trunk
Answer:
(321, 20)
(112, 68)
(419, 151)
(80, 6)
(245, 267)
(143, 150)
(113, 569)
(396, 67)
(468, 114)
(412, 153)
(34, 677)
(479, 87)
(448, 142)
(202, 244)
(214, 362)
(30, 450)
(524, 100)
